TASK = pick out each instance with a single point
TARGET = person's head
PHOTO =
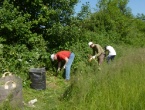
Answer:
(53, 57)
(91, 44)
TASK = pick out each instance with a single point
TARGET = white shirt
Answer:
(111, 50)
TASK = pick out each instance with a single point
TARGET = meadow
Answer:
(118, 86)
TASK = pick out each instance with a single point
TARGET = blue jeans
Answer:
(68, 66)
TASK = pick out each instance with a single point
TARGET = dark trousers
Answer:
(110, 58)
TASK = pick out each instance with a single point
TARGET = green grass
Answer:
(118, 86)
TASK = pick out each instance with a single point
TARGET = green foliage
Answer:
(29, 35)
(31, 30)
(115, 23)
(61, 37)
(85, 12)
(140, 16)
(14, 28)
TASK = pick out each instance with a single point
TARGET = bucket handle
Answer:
(4, 75)
(6, 86)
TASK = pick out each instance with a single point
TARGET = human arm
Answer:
(99, 51)
(59, 65)
(92, 56)
(66, 60)
(96, 51)
(93, 53)
(63, 56)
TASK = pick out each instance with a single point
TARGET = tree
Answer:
(140, 16)
(46, 12)
(85, 11)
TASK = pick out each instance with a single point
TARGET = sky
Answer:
(137, 6)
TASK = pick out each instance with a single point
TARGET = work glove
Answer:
(58, 69)
(93, 57)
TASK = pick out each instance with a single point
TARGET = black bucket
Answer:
(38, 78)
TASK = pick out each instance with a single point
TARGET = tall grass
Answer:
(118, 86)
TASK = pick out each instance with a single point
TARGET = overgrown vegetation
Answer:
(118, 86)
(32, 30)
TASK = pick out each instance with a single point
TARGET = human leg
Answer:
(68, 66)
(110, 57)
(101, 59)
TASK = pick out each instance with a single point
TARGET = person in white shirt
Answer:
(111, 53)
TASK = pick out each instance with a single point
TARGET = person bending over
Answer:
(66, 56)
